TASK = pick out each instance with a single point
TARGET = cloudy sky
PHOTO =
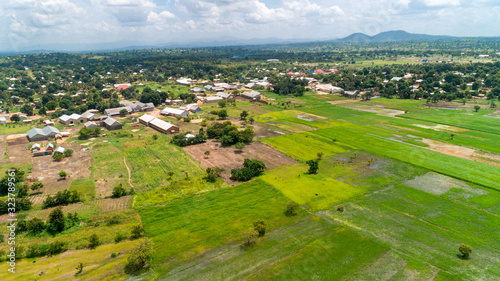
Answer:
(39, 23)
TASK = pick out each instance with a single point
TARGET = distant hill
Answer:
(393, 36)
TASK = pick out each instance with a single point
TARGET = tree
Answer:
(452, 136)
(27, 109)
(139, 256)
(79, 268)
(222, 103)
(123, 112)
(239, 146)
(170, 174)
(207, 153)
(251, 120)
(476, 108)
(291, 208)
(244, 114)
(63, 174)
(250, 238)
(37, 185)
(118, 191)
(94, 241)
(313, 166)
(56, 220)
(68, 152)
(22, 191)
(465, 250)
(35, 226)
(213, 174)
(260, 226)
(15, 118)
(320, 155)
(137, 231)
(226, 140)
(222, 114)
(58, 156)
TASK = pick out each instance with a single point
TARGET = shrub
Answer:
(250, 238)
(139, 256)
(120, 236)
(94, 241)
(118, 191)
(291, 208)
(260, 226)
(340, 208)
(465, 250)
(137, 231)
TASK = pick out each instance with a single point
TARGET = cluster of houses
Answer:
(131, 107)
(158, 124)
(328, 88)
(22, 117)
(36, 149)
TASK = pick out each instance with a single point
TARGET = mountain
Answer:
(393, 36)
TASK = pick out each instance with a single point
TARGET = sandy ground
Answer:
(17, 146)
(229, 157)
(77, 166)
(462, 152)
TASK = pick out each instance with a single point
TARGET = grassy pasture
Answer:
(428, 228)
(189, 227)
(85, 186)
(304, 146)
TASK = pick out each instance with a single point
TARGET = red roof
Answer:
(319, 71)
(122, 87)
(290, 73)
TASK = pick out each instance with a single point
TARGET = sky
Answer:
(28, 24)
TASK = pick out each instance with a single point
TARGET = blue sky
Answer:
(36, 23)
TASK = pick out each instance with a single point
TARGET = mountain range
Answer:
(394, 36)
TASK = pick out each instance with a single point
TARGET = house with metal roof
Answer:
(116, 111)
(193, 107)
(224, 95)
(72, 119)
(138, 106)
(91, 125)
(252, 95)
(59, 150)
(158, 124)
(214, 99)
(111, 124)
(36, 134)
(3, 121)
(174, 112)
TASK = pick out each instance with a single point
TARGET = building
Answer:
(91, 125)
(3, 121)
(138, 106)
(174, 112)
(116, 111)
(214, 99)
(158, 124)
(36, 134)
(120, 87)
(173, 102)
(193, 107)
(224, 95)
(71, 119)
(88, 115)
(328, 88)
(48, 122)
(59, 150)
(49, 147)
(36, 147)
(253, 95)
(197, 90)
(184, 81)
(111, 124)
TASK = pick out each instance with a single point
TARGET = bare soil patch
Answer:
(77, 166)
(442, 128)
(463, 152)
(17, 149)
(342, 101)
(229, 158)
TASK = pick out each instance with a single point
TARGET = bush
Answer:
(340, 208)
(56, 221)
(35, 226)
(260, 226)
(118, 191)
(94, 241)
(139, 256)
(291, 208)
(251, 168)
(250, 238)
(313, 166)
(68, 152)
(120, 236)
(137, 231)
(57, 248)
(465, 250)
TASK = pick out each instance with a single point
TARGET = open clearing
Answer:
(229, 157)
(463, 152)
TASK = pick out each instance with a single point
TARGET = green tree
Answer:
(251, 236)
(244, 114)
(123, 112)
(207, 153)
(68, 152)
(260, 226)
(170, 174)
(35, 225)
(222, 114)
(63, 174)
(313, 166)
(56, 220)
(291, 208)
(222, 103)
(239, 146)
(140, 256)
(476, 108)
(226, 140)
(15, 118)
(36, 186)
(94, 241)
(137, 231)
(118, 191)
(58, 156)
(27, 109)
(79, 268)
(465, 250)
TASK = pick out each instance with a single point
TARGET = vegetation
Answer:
(251, 168)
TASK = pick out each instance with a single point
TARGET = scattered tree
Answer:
(239, 146)
(244, 115)
(63, 174)
(118, 191)
(465, 250)
(137, 231)
(56, 221)
(291, 208)
(476, 108)
(207, 153)
(36, 186)
(94, 241)
(68, 152)
(139, 256)
(250, 238)
(313, 166)
(123, 112)
(260, 226)
(79, 268)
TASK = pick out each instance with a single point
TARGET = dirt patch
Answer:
(309, 117)
(435, 183)
(442, 128)
(463, 152)
(17, 149)
(77, 167)
(229, 157)
(342, 101)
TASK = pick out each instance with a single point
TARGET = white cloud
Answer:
(439, 3)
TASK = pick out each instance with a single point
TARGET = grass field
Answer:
(85, 186)
(187, 228)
